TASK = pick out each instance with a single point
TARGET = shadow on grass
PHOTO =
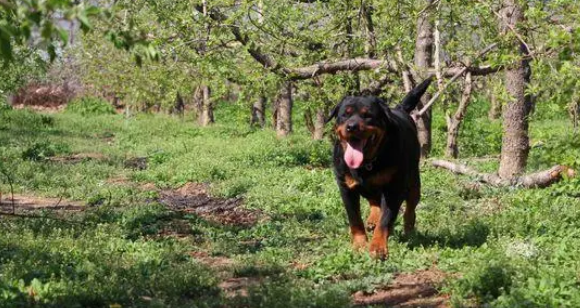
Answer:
(82, 273)
(472, 234)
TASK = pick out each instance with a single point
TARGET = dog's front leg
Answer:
(351, 200)
(390, 205)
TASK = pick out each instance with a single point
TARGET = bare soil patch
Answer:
(136, 163)
(23, 204)
(194, 198)
(231, 286)
(77, 158)
(215, 262)
(238, 286)
(408, 290)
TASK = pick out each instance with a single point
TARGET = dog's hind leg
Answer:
(411, 204)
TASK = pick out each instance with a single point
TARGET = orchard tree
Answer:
(40, 23)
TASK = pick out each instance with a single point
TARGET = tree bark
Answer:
(452, 149)
(371, 43)
(574, 112)
(495, 108)
(258, 112)
(319, 118)
(205, 113)
(179, 105)
(515, 141)
(423, 59)
(405, 71)
(284, 110)
(315, 124)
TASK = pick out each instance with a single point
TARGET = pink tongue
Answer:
(353, 156)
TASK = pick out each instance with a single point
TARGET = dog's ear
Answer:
(414, 96)
(385, 108)
(333, 113)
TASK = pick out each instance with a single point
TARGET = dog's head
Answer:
(361, 126)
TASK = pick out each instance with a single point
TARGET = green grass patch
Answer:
(510, 248)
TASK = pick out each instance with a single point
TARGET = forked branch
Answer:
(538, 179)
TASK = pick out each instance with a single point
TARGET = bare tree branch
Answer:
(511, 28)
(460, 72)
(328, 67)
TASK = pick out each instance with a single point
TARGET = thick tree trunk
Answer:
(205, 112)
(515, 142)
(452, 149)
(258, 112)
(423, 59)
(284, 110)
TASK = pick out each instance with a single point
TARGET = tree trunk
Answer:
(495, 109)
(179, 105)
(205, 112)
(574, 111)
(258, 108)
(452, 149)
(406, 72)
(284, 110)
(515, 142)
(423, 59)
(319, 118)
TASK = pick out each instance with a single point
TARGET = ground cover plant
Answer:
(503, 247)
(179, 157)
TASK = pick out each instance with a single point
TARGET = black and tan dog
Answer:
(376, 155)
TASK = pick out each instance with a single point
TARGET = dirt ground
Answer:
(408, 290)
(23, 203)
(194, 198)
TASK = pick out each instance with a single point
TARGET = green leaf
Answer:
(47, 30)
(63, 35)
(85, 23)
(92, 11)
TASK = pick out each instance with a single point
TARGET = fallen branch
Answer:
(539, 179)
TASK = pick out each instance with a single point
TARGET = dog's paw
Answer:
(359, 242)
(379, 252)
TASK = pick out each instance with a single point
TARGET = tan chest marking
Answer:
(350, 181)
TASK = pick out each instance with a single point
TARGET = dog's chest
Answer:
(369, 182)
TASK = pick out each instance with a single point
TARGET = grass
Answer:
(504, 247)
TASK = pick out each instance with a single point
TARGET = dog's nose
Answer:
(351, 127)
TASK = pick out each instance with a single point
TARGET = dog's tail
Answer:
(412, 99)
